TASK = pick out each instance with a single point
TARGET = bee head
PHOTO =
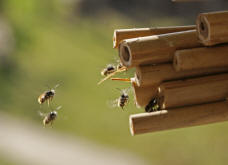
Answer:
(53, 114)
(124, 95)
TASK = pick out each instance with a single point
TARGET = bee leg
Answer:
(44, 125)
(51, 124)
(122, 108)
(48, 101)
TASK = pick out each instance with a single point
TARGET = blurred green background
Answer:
(66, 41)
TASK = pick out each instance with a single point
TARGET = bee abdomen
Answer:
(41, 99)
(46, 121)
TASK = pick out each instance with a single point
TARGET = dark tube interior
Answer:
(203, 28)
(126, 54)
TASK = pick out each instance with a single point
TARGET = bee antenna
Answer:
(40, 113)
(119, 89)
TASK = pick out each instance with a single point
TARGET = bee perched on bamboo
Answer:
(111, 70)
(152, 106)
(108, 70)
(47, 95)
(50, 117)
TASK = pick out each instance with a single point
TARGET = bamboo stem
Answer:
(122, 34)
(179, 118)
(212, 27)
(193, 91)
(201, 58)
(155, 49)
(155, 74)
(143, 95)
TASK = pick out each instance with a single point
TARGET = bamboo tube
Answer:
(201, 58)
(143, 95)
(122, 34)
(155, 74)
(179, 118)
(155, 49)
(193, 91)
(212, 27)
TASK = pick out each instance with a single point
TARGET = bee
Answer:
(123, 99)
(108, 70)
(111, 70)
(152, 106)
(47, 95)
(50, 117)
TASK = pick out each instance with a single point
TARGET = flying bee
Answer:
(111, 70)
(123, 99)
(47, 95)
(50, 117)
(152, 106)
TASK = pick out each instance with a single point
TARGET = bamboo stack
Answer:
(185, 69)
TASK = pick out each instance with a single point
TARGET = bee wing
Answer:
(128, 90)
(41, 114)
(117, 60)
(57, 85)
(111, 64)
(112, 103)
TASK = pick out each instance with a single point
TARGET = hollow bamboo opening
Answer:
(125, 55)
(203, 28)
